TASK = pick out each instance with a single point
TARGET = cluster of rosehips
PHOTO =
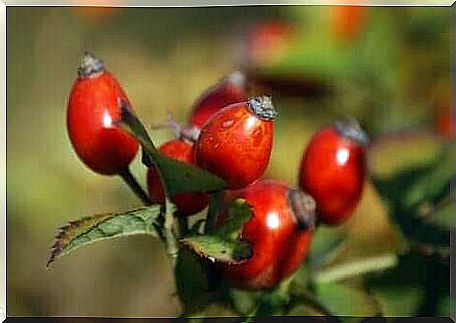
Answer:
(231, 136)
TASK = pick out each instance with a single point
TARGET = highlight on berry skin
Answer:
(274, 161)
(92, 113)
(333, 169)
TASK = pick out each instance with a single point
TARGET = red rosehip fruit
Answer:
(236, 142)
(446, 124)
(269, 41)
(347, 22)
(231, 89)
(279, 232)
(186, 203)
(92, 116)
(333, 170)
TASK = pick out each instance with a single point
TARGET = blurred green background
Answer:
(389, 67)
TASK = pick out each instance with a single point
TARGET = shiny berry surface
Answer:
(186, 203)
(229, 90)
(279, 231)
(236, 142)
(333, 170)
(93, 110)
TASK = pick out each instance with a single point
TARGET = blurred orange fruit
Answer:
(347, 22)
(268, 41)
(93, 14)
(446, 124)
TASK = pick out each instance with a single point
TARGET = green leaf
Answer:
(301, 295)
(392, 188)
(400, 290)
(399, 300)
(304, 310)
(91, 229)
(197, 227)
(244, 301)
(222, 243)
(274, 301)
(324, 61)
(178, 177)
(435, 184)
(191, 281)
(414, 191)
(444, 306)
(270, 305)
(301, 278)
(326, 244)
(131, 123)
(444, 218)
(214, 310)
(427, 234)
(238, 213)
(344, 300)
(355, 268)
(216, 247)
(181, 178)
(214, 208)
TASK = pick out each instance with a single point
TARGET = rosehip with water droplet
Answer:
(93, 111)
(333, 170)
(186, 203)
(279, 232)
(236, 142)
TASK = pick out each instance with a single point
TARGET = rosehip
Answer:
(94, 15)
(186, 203)
(229, 90)
(347, 21)
(333, 170)
(446, 124)
(236, 142)
(93, 111)
(279, 232)
(269, 41)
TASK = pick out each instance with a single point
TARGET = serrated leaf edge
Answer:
(57, 249)
(188, 243)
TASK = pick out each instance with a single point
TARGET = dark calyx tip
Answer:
(303, 206)
(262, 107)
(350, 128)
(236, 78)
(90, 65)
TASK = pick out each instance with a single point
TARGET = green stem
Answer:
(214, 203)
(310, 299)
(131, 123)
(131, 181)
(183, 225)
(170, 236)
(356, 268)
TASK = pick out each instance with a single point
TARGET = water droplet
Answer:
(227, 123)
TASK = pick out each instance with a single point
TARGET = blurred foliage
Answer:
(393, 75)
